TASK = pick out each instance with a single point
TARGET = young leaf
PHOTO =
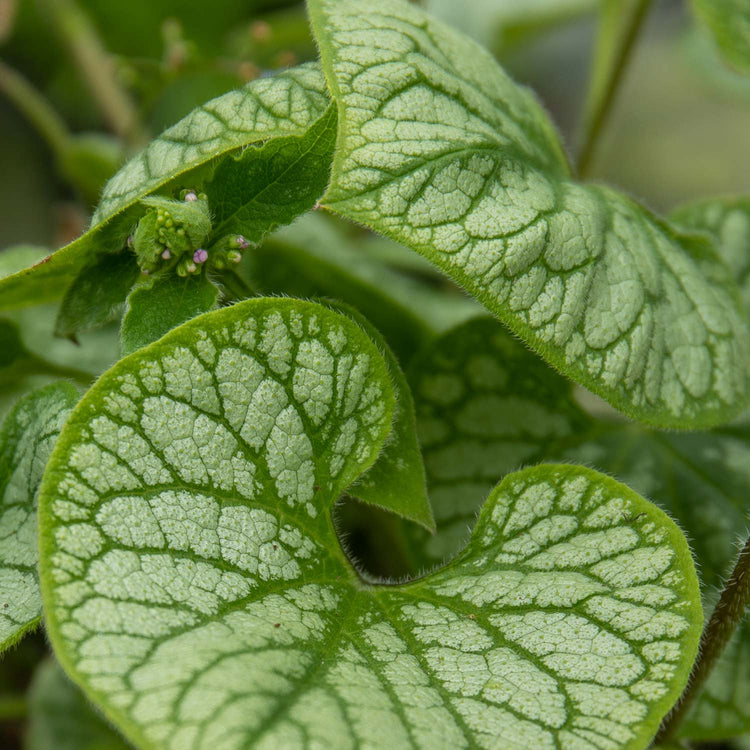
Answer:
(61, 718)
(26, 439)
(97, 294)
(195, 588)
(729, 23)
(440, 150)
(161, 304)
(269, 186)
(285, 105)
(397, 480)
(486, 405)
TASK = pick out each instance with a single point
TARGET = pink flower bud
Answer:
(166, 255)
(200, 256)
(190, 197)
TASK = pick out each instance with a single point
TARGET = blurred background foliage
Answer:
(85, 83)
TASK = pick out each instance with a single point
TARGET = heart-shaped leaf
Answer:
(195, 587)
(185, 155)
(485, 404)
(26, 439)
(441, 151)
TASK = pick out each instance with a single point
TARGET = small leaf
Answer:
(195, 587)
(486, 405)
(60, 718)
(397, 480)
(97, 294)
(268, 186)
(441, 151)
(26, 439)
(284, 105)
(161, 304)
(729, 23)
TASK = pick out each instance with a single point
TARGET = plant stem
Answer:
(602, 106)
(95, 65)
(34, 107)
(716, 635)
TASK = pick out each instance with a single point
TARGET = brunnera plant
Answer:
(178, 526)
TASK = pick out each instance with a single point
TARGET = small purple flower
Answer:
(166, 255)
(200, 256)
(242, 243)
(190, 197)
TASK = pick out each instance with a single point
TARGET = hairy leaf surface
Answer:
(26, 439)
(440, 150)
(195, 587)
(486, 405)
(60, 717)
(729, 23)
(285, 105)
(161, 304)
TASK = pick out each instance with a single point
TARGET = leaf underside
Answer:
(441, 151)
(26, 439)
(195, 587)
(486, 405)
(729, 23)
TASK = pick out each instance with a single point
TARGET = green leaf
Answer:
(729, 23)
(441, 151)
(285, 105)
(26, 439)
(97, 294)
(161, 304)
(60, 718)
(269, 186)
(486, 405)
(31, 354)
(727, 222)
(397, 479)
(195, 587)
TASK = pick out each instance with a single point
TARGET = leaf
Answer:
(161, 304)
(97, 294)
(26, 439)
(485, 406)
(285, 105)
(194, 585)
(441, 151)
(727, 222)
(60, 718)
(32, 355)
(397, 480)
(269, 186)
(729, 24)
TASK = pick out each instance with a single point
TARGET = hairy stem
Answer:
(95, 66)
(34, 107)
(601, 105)
(725, 618)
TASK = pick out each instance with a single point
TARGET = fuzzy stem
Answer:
(95, 66)
(603, 106)
(725, 618)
